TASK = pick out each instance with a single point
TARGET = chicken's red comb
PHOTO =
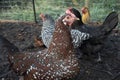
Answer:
(69, 11)
(69, 8)
(83, 9)
(42, 16)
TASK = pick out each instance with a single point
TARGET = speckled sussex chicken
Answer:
(58, 62)
(49, 27)
(99, 34)
(6, 48)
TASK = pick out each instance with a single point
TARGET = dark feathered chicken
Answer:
(6, 48)
(99, 34)
(58, 62)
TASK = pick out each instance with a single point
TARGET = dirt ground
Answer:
(22, 34)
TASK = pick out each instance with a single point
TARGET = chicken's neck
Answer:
(77, 24)
(86, 18)
(62, 41)
(48, 24)
(47, 32)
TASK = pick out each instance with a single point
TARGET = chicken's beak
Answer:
(64, 22)
(77, 18)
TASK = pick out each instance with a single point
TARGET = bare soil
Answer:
(22, 34)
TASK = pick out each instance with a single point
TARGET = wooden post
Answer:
(34, 11)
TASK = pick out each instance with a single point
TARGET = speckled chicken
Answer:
(6, 48)
(58, 62)
(99, 34)
(49, 27)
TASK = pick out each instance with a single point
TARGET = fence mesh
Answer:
(16, 10)
(23, 9)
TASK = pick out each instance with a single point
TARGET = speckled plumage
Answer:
(78, 37)
(47, 30)
(6, 48)
(49, 27)
(58, 62)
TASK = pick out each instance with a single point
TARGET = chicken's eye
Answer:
(68, 17)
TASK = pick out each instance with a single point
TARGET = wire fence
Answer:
(16, 10)
(24, 10)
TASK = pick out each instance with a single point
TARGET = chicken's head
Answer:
(73, 12)
(68, 20)
(84, 10)
(42, 16)
(45, 17)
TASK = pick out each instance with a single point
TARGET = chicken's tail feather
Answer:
(110, 23)
(111, 18)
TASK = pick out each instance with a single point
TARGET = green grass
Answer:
(17, 13)
(99, 9)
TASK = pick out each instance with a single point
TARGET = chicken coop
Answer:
(20, 23)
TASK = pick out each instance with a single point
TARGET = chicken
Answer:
(58, 62)
(96, 43)
(48, 29)
(86, 17)
(6, 48)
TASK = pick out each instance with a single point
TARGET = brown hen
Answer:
(58, 62)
